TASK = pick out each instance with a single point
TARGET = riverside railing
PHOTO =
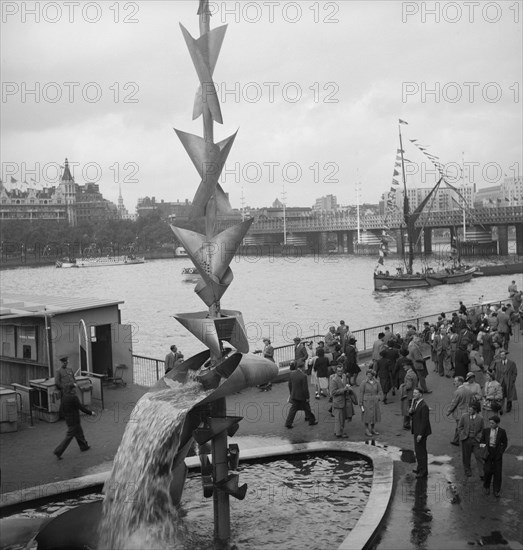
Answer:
(147, 371)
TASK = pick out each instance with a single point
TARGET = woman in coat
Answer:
(370, 397)
(351, 353)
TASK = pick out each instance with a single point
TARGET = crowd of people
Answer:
(470, 347)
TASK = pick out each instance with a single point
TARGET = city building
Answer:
(326, 204)
(67, 202)
(167, 210)
(444, 200)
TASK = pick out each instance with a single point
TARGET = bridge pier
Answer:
(323, 242)
(427, 240)
(340, 237)
(350, 242)
(519, 239)
(503, 240)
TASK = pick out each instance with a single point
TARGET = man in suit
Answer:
(171, 358)
(300, 352)
(506, 374)
(299, 396)
(339, 390)
(419, 412)
(495, 440)
(377, 346)
(470, 429)
(71, 406)
(459, 405)
(504, 324)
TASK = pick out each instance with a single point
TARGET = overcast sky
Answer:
(315, 89)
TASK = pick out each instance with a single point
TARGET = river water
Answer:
(280, 297)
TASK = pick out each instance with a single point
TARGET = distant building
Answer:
(167, 210)
(444, 200)
(326, 204)
(512, 191)
(488, 196)
(67, 202)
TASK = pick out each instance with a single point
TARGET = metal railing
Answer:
(147, 371)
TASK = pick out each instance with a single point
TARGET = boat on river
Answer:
(405, 277)
(100, 261)
(66, 263)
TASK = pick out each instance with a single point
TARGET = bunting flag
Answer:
(413, 140)
(13, 180)
(406, 160)
(491, 201)
(380, 260)
(402, 121)
(395, 182)
(399, 151)
(396, 173)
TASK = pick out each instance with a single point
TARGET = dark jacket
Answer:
(420, 420)
(321, 367)
(300, 354)
(461, 362)
(71, 407)
(298, 385)
(501, 443)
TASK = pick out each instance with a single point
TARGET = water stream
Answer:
(138, 511)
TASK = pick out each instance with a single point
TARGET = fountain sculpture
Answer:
(226, 366)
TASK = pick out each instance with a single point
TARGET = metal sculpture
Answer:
(211, 252)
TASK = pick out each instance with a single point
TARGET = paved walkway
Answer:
(447, 511)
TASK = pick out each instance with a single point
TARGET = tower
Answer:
(68, 189)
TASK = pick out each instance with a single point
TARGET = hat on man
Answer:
(470, 375)
(297, 339)
(266, 340)
(64, 359)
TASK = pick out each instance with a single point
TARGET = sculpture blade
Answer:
(203, 70)
(209, 160)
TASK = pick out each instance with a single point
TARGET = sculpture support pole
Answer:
(222, 521)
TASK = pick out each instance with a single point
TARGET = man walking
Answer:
(470, 429)
(421, 429)
(495, 440)
(459, 405)
(299, 396)
(71, 406)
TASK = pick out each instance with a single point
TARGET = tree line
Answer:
(55, 239)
